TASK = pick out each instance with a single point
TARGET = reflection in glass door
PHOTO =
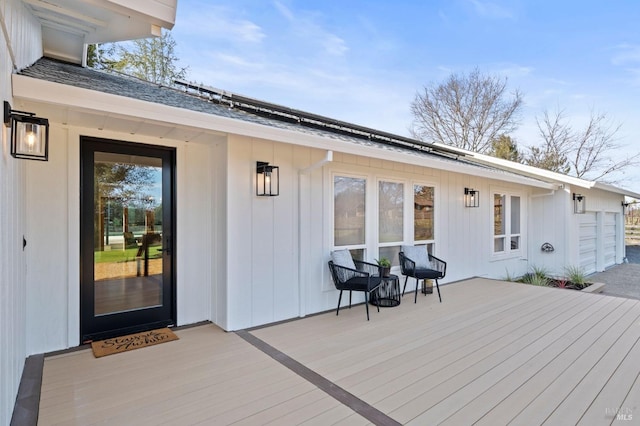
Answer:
(127, 238)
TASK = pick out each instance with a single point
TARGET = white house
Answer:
(191, 232)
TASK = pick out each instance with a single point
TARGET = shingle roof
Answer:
(121, 85)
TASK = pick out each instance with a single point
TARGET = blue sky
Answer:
(364, 61)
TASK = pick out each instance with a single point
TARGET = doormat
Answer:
(132, 341)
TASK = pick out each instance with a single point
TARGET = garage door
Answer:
(588, 242)
(609, 239)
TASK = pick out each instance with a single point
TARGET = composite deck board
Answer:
(206, 374)
(433, 363)
(412, 342)
(491, 353)
(557, 354)
(554, 396)
(451, 389)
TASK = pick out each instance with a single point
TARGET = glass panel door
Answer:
(127, 238)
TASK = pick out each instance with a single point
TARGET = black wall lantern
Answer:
(579, 203)
(29, 134)
(267, 180)
(471, 197)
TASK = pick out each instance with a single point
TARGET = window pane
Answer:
(515, 215)
(390, 253)
(498, 245)
(349, 211)
(423, 204)
(357, 254)
(515, 243)
(390, 211)
(498, 214)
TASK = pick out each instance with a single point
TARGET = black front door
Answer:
(127, 237)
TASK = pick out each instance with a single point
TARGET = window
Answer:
(506, 223)
(423, 205)
(373, 229)
(390, 219)
(349, 213)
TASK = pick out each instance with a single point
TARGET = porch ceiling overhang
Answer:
(67, 25)
(74, 106)
(71, 106)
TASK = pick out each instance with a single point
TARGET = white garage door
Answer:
(588, 242)
(610, 239)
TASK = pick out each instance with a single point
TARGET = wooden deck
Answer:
(491, 353)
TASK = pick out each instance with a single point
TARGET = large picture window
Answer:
(390, 219)
(403, 213)
(507, 214)
(349, 214)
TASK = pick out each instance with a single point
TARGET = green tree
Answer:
(466, 111)
(151, 59)
(506, 148)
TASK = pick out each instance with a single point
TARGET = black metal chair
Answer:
(434, 270)
(365, 277)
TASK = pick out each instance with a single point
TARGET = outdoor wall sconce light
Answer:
(29, 134)
(471, 197)
(267, 180)
(579, 203)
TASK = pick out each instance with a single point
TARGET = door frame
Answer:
(88, 145)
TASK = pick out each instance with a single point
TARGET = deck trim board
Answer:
(367, 411)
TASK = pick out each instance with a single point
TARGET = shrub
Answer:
(576, 276)
(535, 279)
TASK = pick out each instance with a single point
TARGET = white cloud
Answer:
(307, 30)
(626, 54)
(207, 21)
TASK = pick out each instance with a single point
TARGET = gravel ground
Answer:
(622, 280)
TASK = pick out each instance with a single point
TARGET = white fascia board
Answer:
(43, 91)
(616, 190)
(546, 174)
(163, 12)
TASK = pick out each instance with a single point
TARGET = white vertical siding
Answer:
(24, 34)
(47, 249)
(262, 235)
(219, 237)
(20, 45)
(195, 227)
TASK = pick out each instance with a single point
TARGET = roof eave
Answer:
(57, 94)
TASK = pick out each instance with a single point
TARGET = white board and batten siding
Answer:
(20, 46)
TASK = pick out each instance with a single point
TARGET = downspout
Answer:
(303, 261)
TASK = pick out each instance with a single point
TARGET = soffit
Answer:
(67, 25)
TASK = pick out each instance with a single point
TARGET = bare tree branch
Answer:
(466, 111)
(585, 153)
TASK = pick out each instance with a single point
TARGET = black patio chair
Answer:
(421, 267)
(357, 276)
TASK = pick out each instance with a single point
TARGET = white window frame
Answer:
(508, 252)
(372, 179)
(367, 219)
(431, 244)
(398, 243)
